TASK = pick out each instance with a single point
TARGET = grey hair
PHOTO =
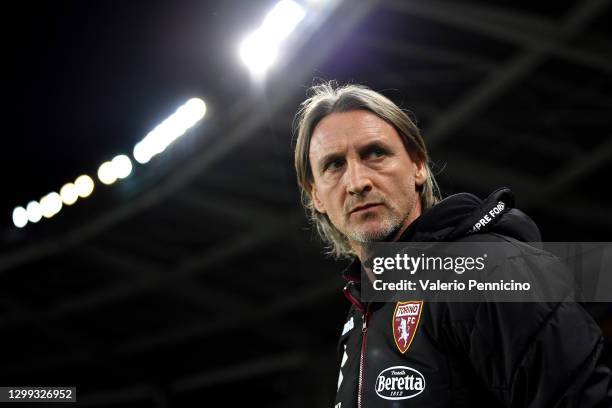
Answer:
(327, 98)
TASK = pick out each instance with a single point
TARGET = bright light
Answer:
(316, 3)
(69, 194)
(84, 185)
(171, 129)
(259, 50)
(192, 111)
(282, 20)
(46, 207)
(50, 204)
(154, 141)
(122, 166)
(56, 201)
(258, 53)
(141, 154)
(20, 217)
(157, 140)
(34, 211)
(106, 173)
(160, 137)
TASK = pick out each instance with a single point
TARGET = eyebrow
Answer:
(372, 145)
(329, 157)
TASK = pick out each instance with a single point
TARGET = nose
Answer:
(358, 181)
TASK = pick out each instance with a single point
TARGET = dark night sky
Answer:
(85, 80)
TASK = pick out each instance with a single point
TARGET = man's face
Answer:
(364, 180)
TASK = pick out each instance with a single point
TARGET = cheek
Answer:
(334, 202)
(335, 207)
(328, 197)
(402, 190)
(397, 181)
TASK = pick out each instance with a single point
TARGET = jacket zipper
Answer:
(364, 336)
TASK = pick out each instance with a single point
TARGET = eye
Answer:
(334, 164)
(376, 152)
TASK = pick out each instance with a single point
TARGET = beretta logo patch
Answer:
(405, 323)
(399, 382)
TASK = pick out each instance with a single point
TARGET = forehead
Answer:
(354, 128)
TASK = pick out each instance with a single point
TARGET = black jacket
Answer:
(471, 354)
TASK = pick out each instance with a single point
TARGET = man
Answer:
(363, 170)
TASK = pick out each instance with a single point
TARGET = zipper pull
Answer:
(364, 327)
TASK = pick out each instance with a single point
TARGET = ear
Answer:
(420, 174)
(316, 200)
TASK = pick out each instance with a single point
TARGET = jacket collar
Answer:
(456, 216)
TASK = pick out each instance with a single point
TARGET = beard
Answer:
(389, 226)
(383, 226)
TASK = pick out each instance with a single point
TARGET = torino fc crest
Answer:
(405, 323)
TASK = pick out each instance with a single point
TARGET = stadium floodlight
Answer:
(106, 173)
(259, 50)
(34, 211)
(157, 140)
(20, 217)
(46, 207)
(257, 53)
(122, 166)
(191, 112)
(141, 153)
(69, 194)
(56, 202)
(50, 204)
(84, 185)
(282, 20)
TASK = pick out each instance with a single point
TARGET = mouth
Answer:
(364, 207)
